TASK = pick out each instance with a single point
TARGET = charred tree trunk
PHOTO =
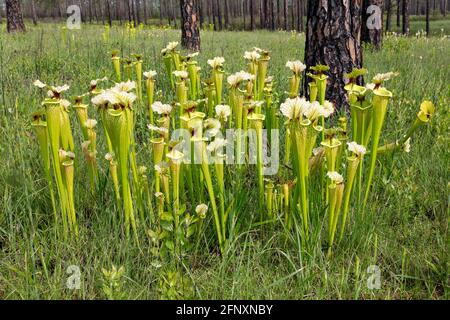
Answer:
(14, 18)
(372, 23)
(427, 13)
(405, 20)
(333, 33)
(190, 32)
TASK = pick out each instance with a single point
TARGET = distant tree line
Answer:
(220, 14)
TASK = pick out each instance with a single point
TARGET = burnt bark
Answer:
(14, 16)
(190, 32)
(372, 23)
(333, 35)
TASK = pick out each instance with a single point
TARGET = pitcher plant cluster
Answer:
(218, 118)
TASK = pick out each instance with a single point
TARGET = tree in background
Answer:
(388, 14)
(190, 32)
(14, 16)
(405, 20)
(333, 35)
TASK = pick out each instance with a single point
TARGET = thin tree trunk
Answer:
(14, 16)
(108, 10)
(272, 14)
(252, 15)
(201, 13)
(145, 12)
(405, 20)
(33, 12)
(266, 13)
(399, 5)
(427, 13)
(261, 15)
(244, 13)
(213, 13)
(279, 14)
(227, 14)
(292, 16)
(285, 14)
(300, 15)
(388, 15)
(333, 33)
(372, 26)
(219, 15)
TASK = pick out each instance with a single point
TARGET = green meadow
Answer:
(403, 230)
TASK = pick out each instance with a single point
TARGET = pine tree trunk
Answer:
(292, 16)
(333, 33)
(108, 10)
(266, 12)
(272, 15)
(300, 15)
(14, 16)
(372, 26)
(427, 13)
(227, 14)
(252, 15)
(399, 5)
(261, 15)
(388, 15)
(33, 12)
(219, 15)
(405, 21)
(279, 14)
(213, 13)
(145, 12)
(244, 13)
(285, 14)
(190, 32)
